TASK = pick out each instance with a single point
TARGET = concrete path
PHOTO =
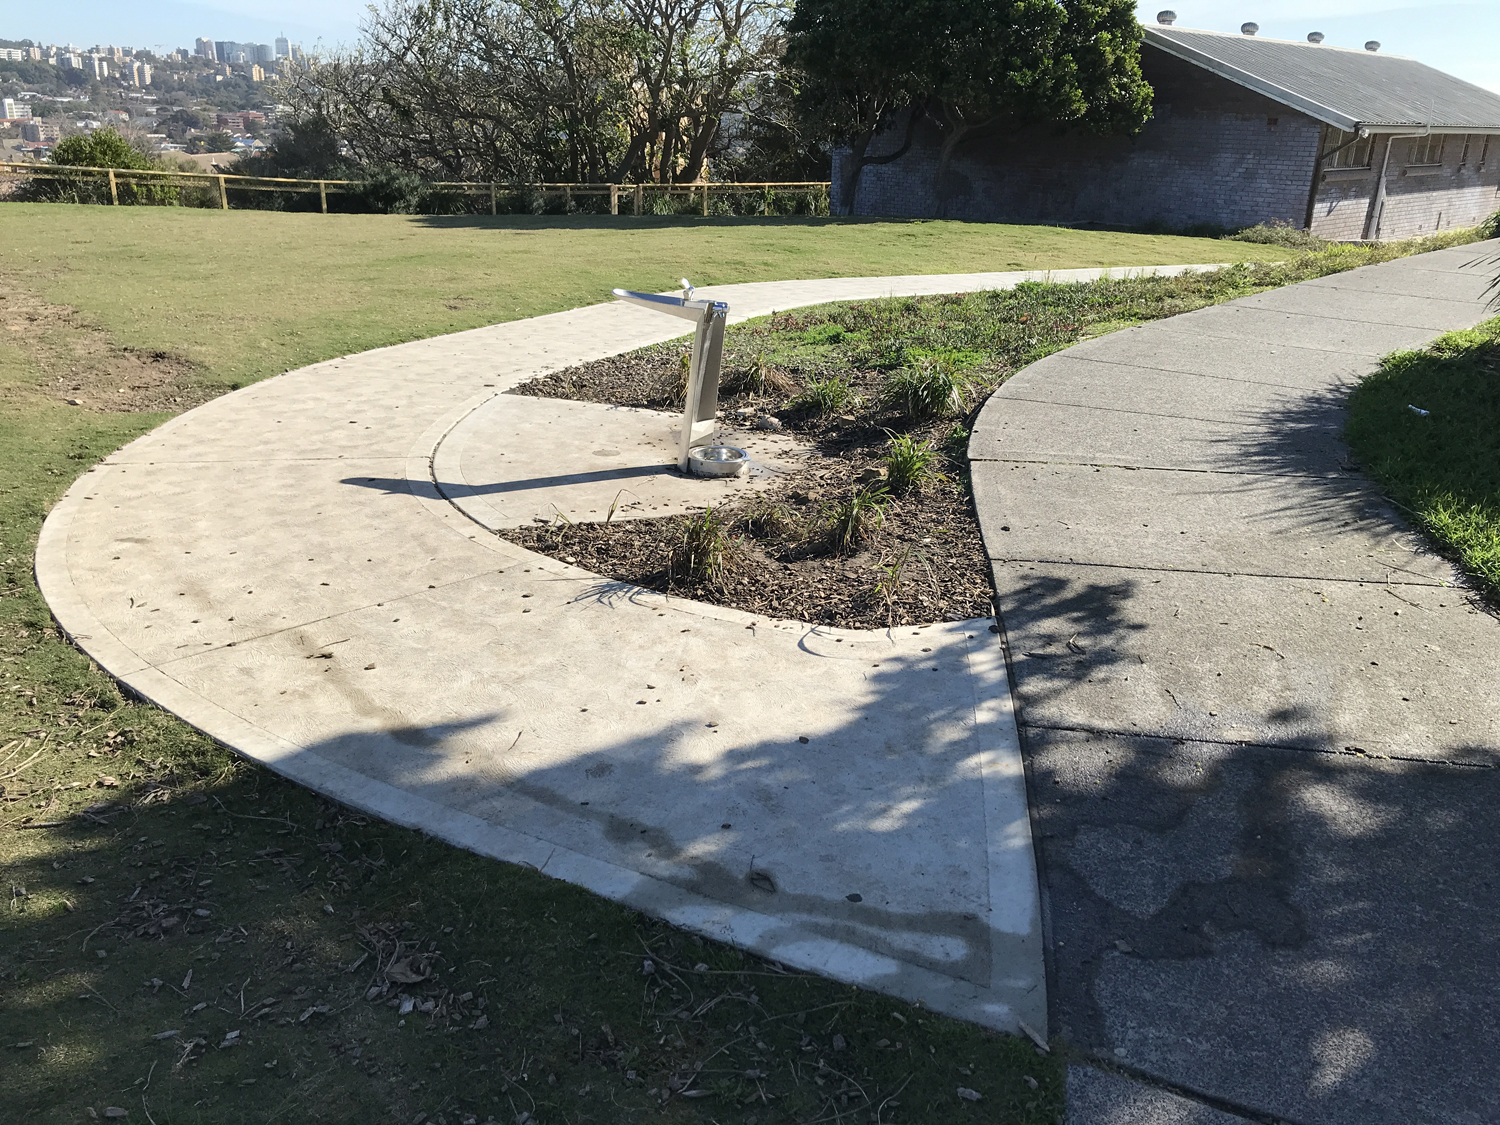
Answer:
(302, 569)
(1261, 723)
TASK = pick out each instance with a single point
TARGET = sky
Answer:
(1457, 37)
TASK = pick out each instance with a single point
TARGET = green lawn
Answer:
(118, 824)
(252, 293)
(1442, 466)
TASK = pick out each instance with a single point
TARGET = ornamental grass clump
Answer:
(931, 388)
(760, 377)
(908, 464)
(705, 550)
(827, 396)
(852, 521)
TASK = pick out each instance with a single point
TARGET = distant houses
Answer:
(1348, 144)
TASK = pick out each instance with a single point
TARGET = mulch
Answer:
(929, 538)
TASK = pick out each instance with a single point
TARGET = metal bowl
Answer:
(717, 461)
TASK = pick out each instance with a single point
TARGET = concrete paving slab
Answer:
(1311, 937)
(1239, 321)
(1337, 528)
(1013, 429)
(1466, 286)
(1476, 257)
(643, 769)
(1070, 380)
(1412, 671)
(1097, 1097)
(173, 567)
(1354, 307)
(1170, 347)
(597, 462)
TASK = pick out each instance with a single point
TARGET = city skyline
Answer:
(1454, 37)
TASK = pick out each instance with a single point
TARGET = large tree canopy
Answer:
(581, 90)
(869, 67)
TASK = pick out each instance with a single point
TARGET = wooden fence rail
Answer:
(223, 182)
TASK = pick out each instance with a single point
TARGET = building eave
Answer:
(1328, 115)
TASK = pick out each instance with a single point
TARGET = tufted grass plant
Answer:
(705, 551)
(933, 387)
(827, 396)
(853, 520)
(909, 463)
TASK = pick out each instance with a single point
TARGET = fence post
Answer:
(568, 199)
(114, 192)
(493, 209)
(705, 199)
(323, 194)
(640, 191)
(223, 195)
(614, 199)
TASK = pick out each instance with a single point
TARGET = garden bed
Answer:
(877, 526)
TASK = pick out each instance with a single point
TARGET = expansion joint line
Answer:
(1250, 744)
(1187, 1093)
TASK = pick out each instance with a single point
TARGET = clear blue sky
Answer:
(1460, 38)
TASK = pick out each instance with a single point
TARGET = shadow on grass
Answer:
(223, 945)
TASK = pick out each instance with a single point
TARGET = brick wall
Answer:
(1463, 192)
(1213, 153)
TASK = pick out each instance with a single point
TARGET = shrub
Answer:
(851, 522)
(103, 148)
(932, 388)
(392, 191)
(1279, 232)
(908, 463)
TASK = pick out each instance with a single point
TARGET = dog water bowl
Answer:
(717, 461)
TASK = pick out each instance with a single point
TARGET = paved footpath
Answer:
(306, 570)
(1261, 723)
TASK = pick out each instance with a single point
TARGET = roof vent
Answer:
(1373, 45)
(1249, 28)
(1166, 19)
(1315, 37)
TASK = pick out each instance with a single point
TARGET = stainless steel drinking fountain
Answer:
(697, 452)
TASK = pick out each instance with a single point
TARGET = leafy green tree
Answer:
(211, 142)
(855, 64)
(103, 148)
(869, 67)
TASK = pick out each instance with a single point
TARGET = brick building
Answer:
(1349, 144)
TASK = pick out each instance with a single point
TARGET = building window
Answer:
(1484, 152)
(1346, 150)
(1463, 157)
(1426, 150)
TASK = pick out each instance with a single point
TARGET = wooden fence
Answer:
(221, 184)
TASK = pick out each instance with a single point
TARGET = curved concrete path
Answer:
(302, 570)
(1260, 721)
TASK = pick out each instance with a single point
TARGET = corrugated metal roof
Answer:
(1343, 88)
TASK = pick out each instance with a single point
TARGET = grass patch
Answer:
(1441, 466)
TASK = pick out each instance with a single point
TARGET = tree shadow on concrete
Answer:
(1305, 935)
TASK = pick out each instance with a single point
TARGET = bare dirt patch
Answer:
(80, 364)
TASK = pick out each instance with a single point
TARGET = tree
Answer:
(527, 90)
(855, 63)
(210, 142)
(969, 66)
